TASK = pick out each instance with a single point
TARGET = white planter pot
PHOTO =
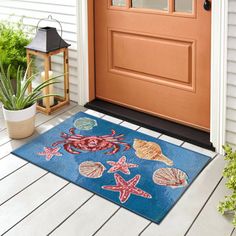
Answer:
(21, 123)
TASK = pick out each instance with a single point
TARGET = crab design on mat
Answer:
(72, 142)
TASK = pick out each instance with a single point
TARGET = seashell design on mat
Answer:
(91, 169)
(85, 123)
(170, 177)
(150, 151)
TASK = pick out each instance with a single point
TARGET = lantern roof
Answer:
(47, 40)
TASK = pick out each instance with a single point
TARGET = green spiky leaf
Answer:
(21, 99)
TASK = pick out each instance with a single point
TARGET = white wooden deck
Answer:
(35, 202)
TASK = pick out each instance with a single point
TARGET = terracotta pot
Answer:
(20, 123)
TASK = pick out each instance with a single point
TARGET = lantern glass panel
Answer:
(36, 69)
(57, 68)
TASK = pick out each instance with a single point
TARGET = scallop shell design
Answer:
(150, 151)
(91, 169)
(85, 123)
(170, 177)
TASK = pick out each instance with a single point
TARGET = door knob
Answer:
(207, 5)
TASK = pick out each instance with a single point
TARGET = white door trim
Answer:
(218, 66)
(219, 73)
(82, 51)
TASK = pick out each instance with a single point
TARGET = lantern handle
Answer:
(50, 18)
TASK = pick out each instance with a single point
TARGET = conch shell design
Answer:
(150, 151)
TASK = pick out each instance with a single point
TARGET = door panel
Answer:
(136, 55)
(155, 60)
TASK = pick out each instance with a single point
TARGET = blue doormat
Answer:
(140, 173)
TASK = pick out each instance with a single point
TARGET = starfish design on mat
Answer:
(49, 152)
(126, 188)
(121, 165)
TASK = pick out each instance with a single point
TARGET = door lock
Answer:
(207, 5)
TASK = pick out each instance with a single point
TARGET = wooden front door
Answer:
(154, 56)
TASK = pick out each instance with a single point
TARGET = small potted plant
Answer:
(229, 203)
(19, 106)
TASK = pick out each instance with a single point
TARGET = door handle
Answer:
(207, 5)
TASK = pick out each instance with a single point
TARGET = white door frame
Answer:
(219, 73)
(218, 65)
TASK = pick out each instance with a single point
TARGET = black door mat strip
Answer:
(185, 133)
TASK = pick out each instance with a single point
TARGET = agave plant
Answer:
(21, 98)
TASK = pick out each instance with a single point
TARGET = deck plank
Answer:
(94, 113)
(129, 125)
(119, 222)
(184, 212)
(149, 132)
(52, 213)
(172, 140)
(112, 119)
(4, 137)
(26, 201)
(19, 180)
(199, 149)
(210, 221)
(233, 233)
(88, 218)
(10, 164)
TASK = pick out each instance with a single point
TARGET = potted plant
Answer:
(229, 172)
(19, 106)
(13, 39)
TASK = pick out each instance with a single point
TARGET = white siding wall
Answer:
(231, 88)
(63, 11)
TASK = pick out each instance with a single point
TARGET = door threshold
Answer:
(179, 131)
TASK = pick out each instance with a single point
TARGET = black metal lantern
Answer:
(46, 44)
